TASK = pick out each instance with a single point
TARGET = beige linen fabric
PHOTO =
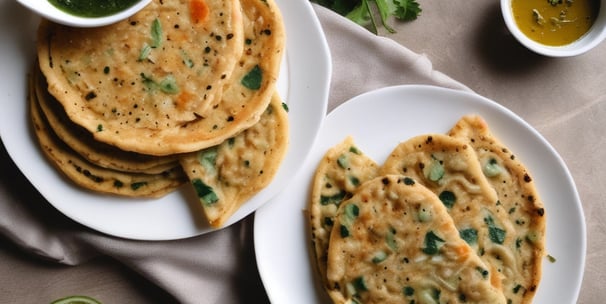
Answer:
(565, 99)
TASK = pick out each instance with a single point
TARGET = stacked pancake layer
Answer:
(133, 101)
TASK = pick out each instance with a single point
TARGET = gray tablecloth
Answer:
(461, 45)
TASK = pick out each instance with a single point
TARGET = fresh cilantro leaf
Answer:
(433, 243)
(253, 79)
(361, 12)
(496, 234)
(407, 9)
(169, 85)
(343, 7)
(386, 9)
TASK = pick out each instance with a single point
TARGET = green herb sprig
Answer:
(361, 11)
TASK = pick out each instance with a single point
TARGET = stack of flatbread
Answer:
(447, 218)
(184, 90)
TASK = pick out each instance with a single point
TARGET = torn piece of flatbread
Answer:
(342, 169)
(226, 176)
(518, 195)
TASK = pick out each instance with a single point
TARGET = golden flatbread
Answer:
(449, 167)
(82, 141)
(95, 178)
(394, 242)
(177, 77)
(517, 194)
(340, 172)
(227, 175)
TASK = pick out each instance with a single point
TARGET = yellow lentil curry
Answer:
(555, 22)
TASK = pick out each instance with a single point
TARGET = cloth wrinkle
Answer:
(562, 119)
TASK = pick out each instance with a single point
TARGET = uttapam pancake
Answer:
(95, 178)
(449, 167)
(154, 83)
(253, 82)
(82, 141)
(340, 172)
(518, 195)
(227, 175)
(394, 242)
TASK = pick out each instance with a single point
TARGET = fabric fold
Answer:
(363, 61)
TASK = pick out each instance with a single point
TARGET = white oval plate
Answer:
(304, 82)
(378, 121)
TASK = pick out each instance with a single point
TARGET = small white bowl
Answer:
(45, 9)
(593, 37)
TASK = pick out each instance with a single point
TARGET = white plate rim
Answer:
(555, 287)
(303, 86)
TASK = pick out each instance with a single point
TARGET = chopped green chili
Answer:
(145, 51)
(408, 291)
(390, 239)
(448, 198)
(205, 193)
(436, 170)
(379, 257)
(156, 33)
(169, 85)
(253, 79)
(208, 158)
(137, 185)
(470, 235)
(496, 234)
(492, 168)
(333, 199)
(433, 243)
(342, 161)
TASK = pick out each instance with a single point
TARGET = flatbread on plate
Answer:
(226, 176)
(394, 242)
(518, 195)
(82, 141)
(95, 178)
(177, 77)
(340, 172)
(449, 167)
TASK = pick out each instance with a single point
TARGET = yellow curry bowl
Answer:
(556, 28)
(85, 13)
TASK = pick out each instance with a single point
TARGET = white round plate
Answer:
(304, 82)
(378, 121)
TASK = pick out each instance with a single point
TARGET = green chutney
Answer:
(92, 8)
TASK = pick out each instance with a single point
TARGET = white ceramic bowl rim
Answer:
(595, 35)
(49, 11)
